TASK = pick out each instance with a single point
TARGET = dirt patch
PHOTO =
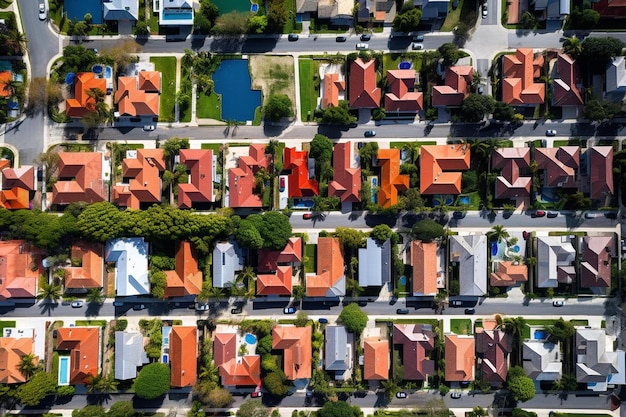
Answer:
(273, 75)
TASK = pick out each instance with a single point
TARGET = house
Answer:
(565, 90)
(17, 186)
(131, 265)
(17, 277)
(470, 252)
(508, 274)
(227, 259)
(79, 178)
(402, 97)
(120, 10)
(456, 88)
(542, 360)
(418, 341)
(338, 12)
(129, 354)
(425, 269)
(595, 268)
(459, 351)
(374, 10)
(89, 273)
(234, 369)
(138, 96)
(184, 355)
(333, 86)
(391, 181)
(615, 85)
(432, 9)
(241, 181)
(175, 12)
(559, 165)
(440, 166)
(186, 279)
(83, 346)
(492, 348)
(346, 183)
(555, 259)
(518, 78)
(301, 179)
(555, 10)
(295, 342)
(338, 352)
(376, 359)
(84, 101)
(514, 180)
(375, 263)
(201, 165)
(615, 9)
(291, 255)
(597, 363)
(141, 186)
(12, 350)
(330, 280)
(277, 283)
(600, 172)
(362, 90)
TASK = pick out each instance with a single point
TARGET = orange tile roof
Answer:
(241, 179)
(278, 283)
(23, 177)
(186, 279)
(5, 77)
(363, 92)
(224, 347)
(80, 178)
(565, 84)
(138, 96)
(330, 278)
(519, 73)
(560, 165)
(82, 104)
(512, 161)
(391, 181)
(300, 185)
(244, 371)
(17, 279)
(508, 274)
(440, 166)
(15, 199)
(83, 343)
(402, 96)
(601, 171)
(456, 88)
(184, 355)
(346, 183)
(295, 342)
(199, 190)
(145, 180)
(424, 262)
(291, 254)
(11, 352)
(459, 358)
(331, 87)
(90, 273)
(376, 359)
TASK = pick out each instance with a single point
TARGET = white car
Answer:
(76, 304)
(362, 46)
(558, 303)
(42, 12)
(485, 11)
(417, 46)
(149, 128)
(551, 132)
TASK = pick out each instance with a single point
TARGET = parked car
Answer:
(202, 307)
(417, 46)
(485, 11)
(362, 46)
(591, 215)
(456, 303)
(281, 184)
(76, 304)
(118, 304)
(341, 39)
(455, 395)
(138, 307)
(369, 133)
(401, 394)
(149, 128)
(539, 213)
(322, 320)
(307, 216)
(256, 394)
(418, 38)
(470, 310)
(289, 310)
(558, 303)
(611, 215)
(236, 310)
(551, 132)
(552, 214)
(525, 234)
(402, 311)
(42, 12)
(292, 37)
(366, 37)
(458, 214)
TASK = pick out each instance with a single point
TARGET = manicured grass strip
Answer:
(100, 323)
(215, 147)
(6, 324)
(307, 69)
(209, 107)
(461, 326)
(185, 90)
(400, 145)
(432, 322)
(309, 260)
(167, 66)
(558, 143)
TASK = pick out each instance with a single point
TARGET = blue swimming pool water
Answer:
(540, 335)
(250, 338)
(232, 80)
(97, 69)
(515, 248)
(404, 65)
(108, 72)
(64, 370)
(374, 194)
(166, 335)
(165, 358)
(254, 7)
(69, 78)
(403, 280)
(77, 9)
(177, 16)
(494, 248)
(464, 200)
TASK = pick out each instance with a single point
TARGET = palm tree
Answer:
(95, 296)
(516, 326)
(572, 46)
(498, 233)
(106, 384)
(50, 292)
(28, 365)
(10, 86)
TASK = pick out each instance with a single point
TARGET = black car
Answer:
(402, 311)
(470, 310)
(341, 39)
(366, 37)
(458, 214)
(293, 37)
(236, 310)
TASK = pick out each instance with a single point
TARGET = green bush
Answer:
(152, 381)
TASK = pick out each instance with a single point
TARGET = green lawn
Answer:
(400, 145)
(309, 261)
(215, 147)
(559, 143)
(100, 323)
(5, 324)
(453, 17)
(506, 143)
(184, 108)
(209, 107)
(5, 3)
(167, 66)
(461, 326)
(474, 201)
(392, 60)
(308, 69)
(432, 322)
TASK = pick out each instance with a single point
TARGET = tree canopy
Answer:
(91, 410)
(427, 230)
(522, 387)
(273, 228)
(449, 52)
(339, 115)
(253, 408)
(338, 409)
(476, 106)
(503, 111)
(121, 409)
(408, 19)
(381, 232)
(353, 318)
(278, 106)
(586, 19)
(598, 111)
(276, 383)
(153, 381)
(34, 390)
(598, 51)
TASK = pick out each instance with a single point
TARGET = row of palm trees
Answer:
(51, 292)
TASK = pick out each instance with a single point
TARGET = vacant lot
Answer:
(273, 75)
(167, 66)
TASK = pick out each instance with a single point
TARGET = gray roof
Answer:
(542, 361)
(227, 259)
(375, 264)
(470, 251)
(432, 9)
(552, 252)
(336, 354)
(306, 6)
(129, 354)
(616, 75)
(121, 9)
(131, 265)
(177, 4)
(594, 362)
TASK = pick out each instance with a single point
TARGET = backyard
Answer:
(167, 66)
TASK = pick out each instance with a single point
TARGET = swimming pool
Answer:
(540, 335)
(374, 182)
(254, 7)
(402, 280)
(515, 249)
(250, 338)
(77, 9)
(108, 72)
(96, 69)
(232, 81)
(165, 358)
(494, 248)
(178, 16)
(405, 65)
(64, 370)
(464, 199)
(166, 336)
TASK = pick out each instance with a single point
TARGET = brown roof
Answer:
(560, 165)
(424, 263)
(595, 269)
(391, 181)
(23, 177)
(456, 88)
(278, 283)
(519, 73)
(139, 96)
(362, 88)
(564, 85)
(17, 278)
(440, 166)
(601, 172)
(297, 352)
(83, 343)
(610, 8)
(241, 179)
(300, 185)
(346, 183)
(514, 162)
(144, 185)
(291, 254)
(224, 347)
(493, 347)
(80, 178)
(89, 274)
(330, 270)
(199, 190)
(11, 352)
(332, 86)
(459, 358)
(186, 279)
(376, 360)
(402, 96)
(82, 104)
(244, 371)
(184, 355)
(417, 341)
(508, 274)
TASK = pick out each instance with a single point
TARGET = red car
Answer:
(281, 184)
(256, 394)
(539, 213)
(306, 216)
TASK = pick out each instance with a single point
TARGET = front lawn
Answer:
(309, 258)
(167, 66)
(209, 107)
(453, 17)
(184, 108)
(461, 326)
(308, 70)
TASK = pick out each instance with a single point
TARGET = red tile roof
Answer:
(417, 341)
(295, 342)
(241, 179)
(560, 165)
(80, 178)
(460, 357)
(139, 96)
(595, 269)
(150, 81)
(5, 78)
(440, 166)
(376, 359)
(330, 269)
(391, 181)
(186, 279)
(513, 162)
(17, 278)
(331, 88)
(493, 347)
(278, 283)
(83, 343)
(564, 84)
(291, 254)
(82, 104)
(145, 180)
(601, 171)
(199, 190)
(224, 347)
(402, 96)
(244, 371)
(89, 274)
(184, 355)
(23, 177)
(346, 183)
(456, 88)
(363, 92)
(15, 199)
(424, 262)
(12, 351)
(300, 185)
(507, 274)
(519, 73)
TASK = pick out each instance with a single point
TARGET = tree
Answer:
(257, 24)
(277, 16)
(95, 296)
(561, 330)
(302, 319)
(90, 411)
(449, 52)
(572, 47)
(498, 233)
(503, 111)
(50, 292)
(522, 387)
(528, 21)
(248, 236)
(219, 398)
(275, 229)
(28, 365)
(427, 230)
(518, 412)
(381, 232)
(353, 318)
(100, 222)
(233, 23)
(65, 390)
(469, 182)
(339, 115)
(476, 106)
(598, 111)
(407, 20)
(338, 409)
(36, 389)
(206, 16)
(121, 409)
(152, 381)
(599, 51)
(321, 150)
(253, 408)
(274, 383)
(142, 28)
(586, 19)
(278, 106)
